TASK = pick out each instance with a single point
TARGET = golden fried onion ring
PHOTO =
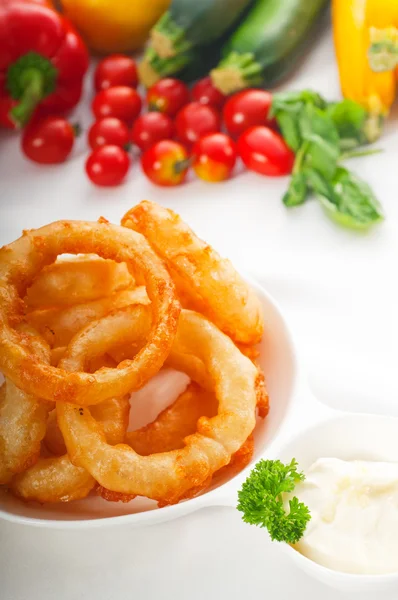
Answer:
(77, 281)
(56, 479)
(21, 260)
(174, 423)
(169, 476)
(53, 479)
(205, 282)
(23, 420)
(58, 325)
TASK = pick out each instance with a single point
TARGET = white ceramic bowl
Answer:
(277, 358)
(348, 437)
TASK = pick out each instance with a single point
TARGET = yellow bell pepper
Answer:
(363, 31)
(114, 25)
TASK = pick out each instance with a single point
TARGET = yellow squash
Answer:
(114, 25)
(363, 31)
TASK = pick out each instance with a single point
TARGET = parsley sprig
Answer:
(261, 501)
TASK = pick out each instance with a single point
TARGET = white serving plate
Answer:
(297, 426)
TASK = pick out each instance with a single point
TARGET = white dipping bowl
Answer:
(348, 437)
(277, 359)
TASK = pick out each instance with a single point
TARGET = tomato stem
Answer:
(182, 165)
(77, 129)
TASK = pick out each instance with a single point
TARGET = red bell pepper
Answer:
(42, 61)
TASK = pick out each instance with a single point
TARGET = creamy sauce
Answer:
(354, 515)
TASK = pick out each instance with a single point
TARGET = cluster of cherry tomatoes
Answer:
(181, 129)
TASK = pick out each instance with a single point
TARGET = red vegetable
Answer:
(246, 109)
(121, 102)
(150, 128)
(6, 104)
(48, 141)
(42, 60)
(196, 120)
(107, 165)
(214, 157)
(165, 163)
(109, 131)
(264, 151)
(168, 96)
(204, 91)
(114, 70)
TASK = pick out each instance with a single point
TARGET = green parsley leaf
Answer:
(261, 501)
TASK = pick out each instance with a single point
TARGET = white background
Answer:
(339, 292)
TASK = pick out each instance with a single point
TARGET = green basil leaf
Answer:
(318, 184)
(288, 124)
(351, 202)
(297, 192)
(283, 100)
(321, 156)
(349, 118)
(316, 121)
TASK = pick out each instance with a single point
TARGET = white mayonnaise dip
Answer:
(354, 515)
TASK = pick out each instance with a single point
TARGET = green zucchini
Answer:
(267, 44)
(190, 23)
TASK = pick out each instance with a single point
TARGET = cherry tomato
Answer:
(150, 128)
(204, 91)
(48, 141)
(165, 163)
(109, 131)
(196, 120)
(168, 96)
(214, 157)
(107, 165)
(121, 102)
(265, 151)
(245, 109)
(115, 70)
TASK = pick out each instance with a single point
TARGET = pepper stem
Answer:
(383, 50)
(33, 81)
(29, 79)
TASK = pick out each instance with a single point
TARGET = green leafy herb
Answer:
(322, 135)
(261, 501)
(350, 119)
(350, 201)
(287, 108)
(297, 192)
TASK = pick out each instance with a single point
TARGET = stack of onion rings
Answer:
(78, 336)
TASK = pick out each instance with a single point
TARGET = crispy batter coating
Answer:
(169, 476)
(206, 282)
(23, 420)
(77, 281)
(19, 264)
(177, 421)
(96, 338)
(53, 479)
(58, 325)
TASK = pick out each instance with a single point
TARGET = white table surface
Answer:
(339, 292)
